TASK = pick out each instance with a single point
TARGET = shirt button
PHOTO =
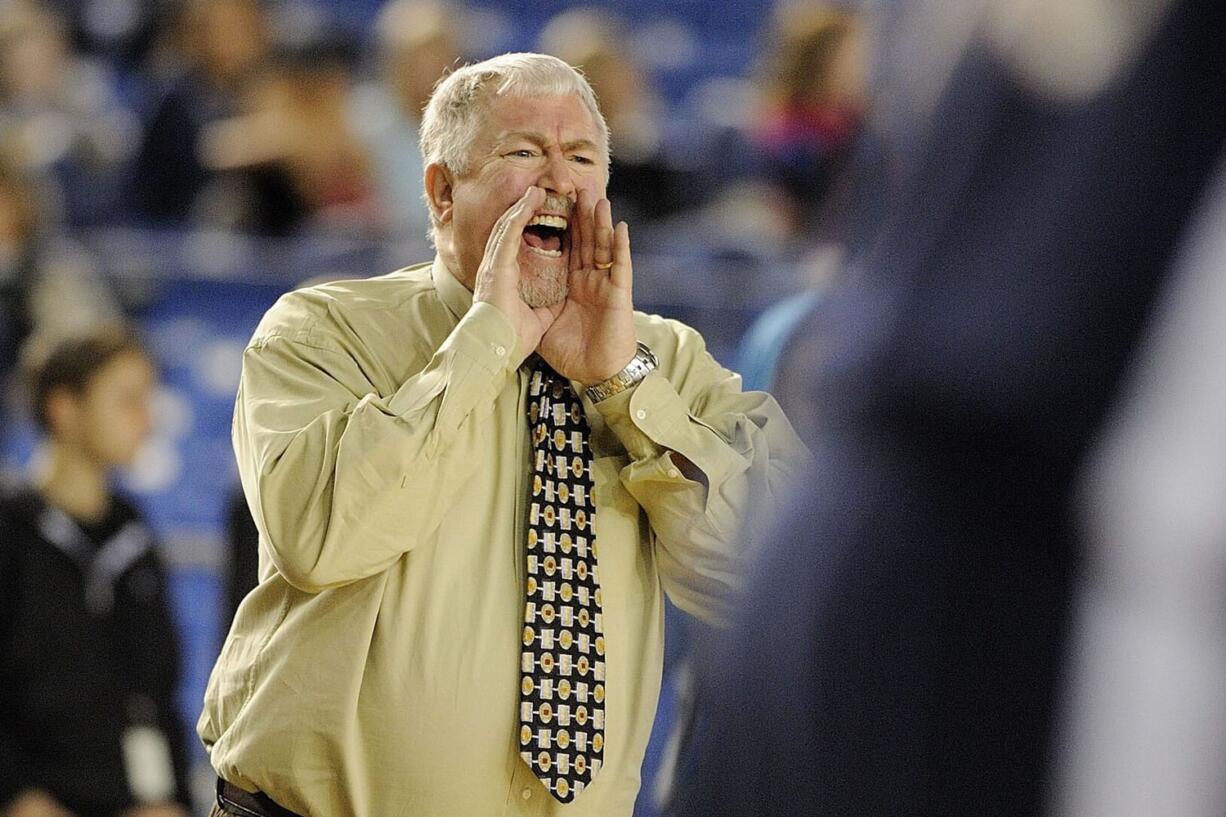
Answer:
(500, 350)
(526, 794)
(641, 414)
(673, 473)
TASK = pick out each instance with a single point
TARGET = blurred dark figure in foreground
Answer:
(901, 648)
(88, 654)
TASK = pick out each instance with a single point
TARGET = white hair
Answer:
(454, 115)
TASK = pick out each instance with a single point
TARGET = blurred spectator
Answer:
(213, 46)
(297, 126)
(417, 41)
(46, 283)
(89, 659)
(59, 113)
(770, 346)
(121, 32)
(18, 228)
(813, 95)
(787, 163)
(643, 182)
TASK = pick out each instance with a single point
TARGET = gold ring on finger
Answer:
(604, 266)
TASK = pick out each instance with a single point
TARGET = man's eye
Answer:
(583, 160)
(522, 154)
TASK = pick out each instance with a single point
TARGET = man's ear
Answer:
(438, 191)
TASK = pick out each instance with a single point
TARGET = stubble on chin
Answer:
(544, 287)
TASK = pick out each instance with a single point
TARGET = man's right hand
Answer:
(35, 803)
(498, 276)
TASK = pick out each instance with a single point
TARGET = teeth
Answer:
(557, 222)
(546, 253)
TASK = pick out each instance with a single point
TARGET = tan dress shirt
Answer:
(383, 447)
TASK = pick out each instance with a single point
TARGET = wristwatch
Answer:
(644, 361)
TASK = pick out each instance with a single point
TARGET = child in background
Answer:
(89, 659)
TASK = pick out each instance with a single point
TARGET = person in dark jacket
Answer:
(89, 658)
(904, 645)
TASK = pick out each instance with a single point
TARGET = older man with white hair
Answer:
(473, 480)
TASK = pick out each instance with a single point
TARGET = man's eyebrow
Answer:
(541, 139)
(580, 143)
(531, 136)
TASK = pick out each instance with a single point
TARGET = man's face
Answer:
(550, 142)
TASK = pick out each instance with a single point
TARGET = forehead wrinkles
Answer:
(587, 128)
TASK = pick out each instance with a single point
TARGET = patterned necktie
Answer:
(561, 711)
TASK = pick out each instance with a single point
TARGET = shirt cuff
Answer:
(652, 419)
(486, 337)
(473, 361)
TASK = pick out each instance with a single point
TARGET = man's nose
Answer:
(557, 176)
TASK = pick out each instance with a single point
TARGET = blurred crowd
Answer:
(240, 113)
(280, 119)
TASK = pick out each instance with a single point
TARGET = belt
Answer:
(233, 800)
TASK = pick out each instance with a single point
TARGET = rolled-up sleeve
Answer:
(747, 451)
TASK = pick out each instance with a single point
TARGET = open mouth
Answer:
(545, 235)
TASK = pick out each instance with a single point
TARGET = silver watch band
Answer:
(644, 361)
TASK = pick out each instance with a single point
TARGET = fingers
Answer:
(576, 226)
(602, 255)
(587, 244)
(622, 273)
(502, 247)
(497, 280)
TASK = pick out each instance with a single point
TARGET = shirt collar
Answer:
(455, 296)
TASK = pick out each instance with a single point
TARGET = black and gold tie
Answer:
(562, 692)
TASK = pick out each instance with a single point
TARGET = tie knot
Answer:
(536, 363)
(546, 381)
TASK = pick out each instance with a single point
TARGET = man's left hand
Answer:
(593, 337)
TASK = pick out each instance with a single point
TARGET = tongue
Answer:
(546, 242)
